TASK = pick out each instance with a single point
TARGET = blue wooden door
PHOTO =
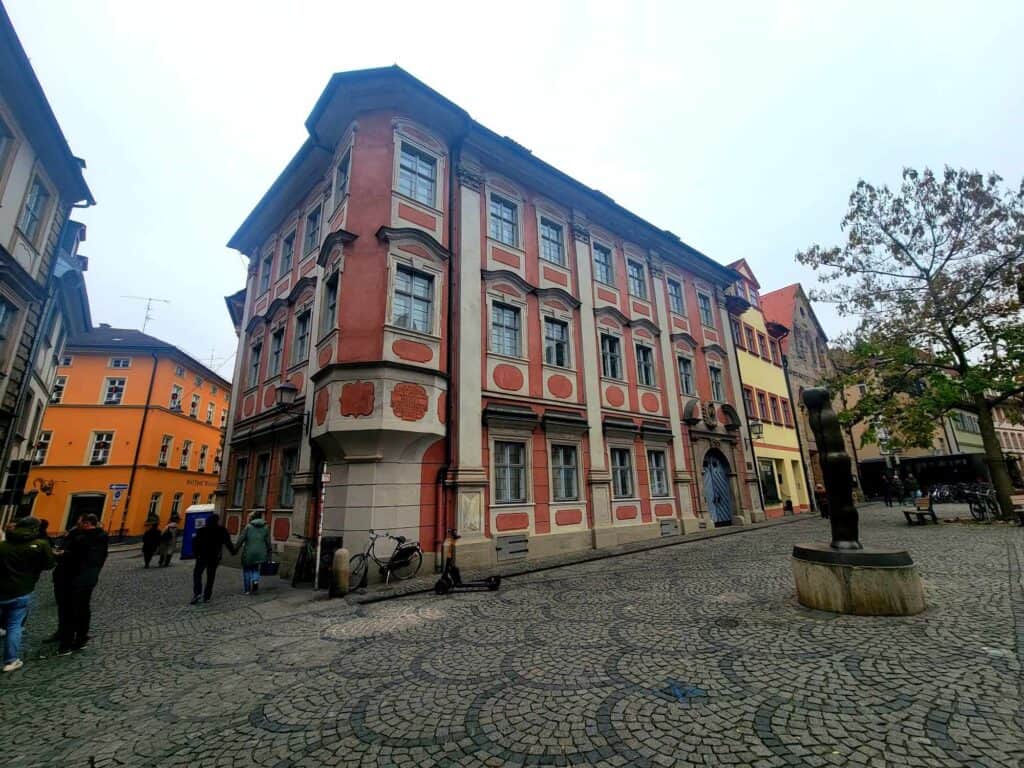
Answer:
(717, 493)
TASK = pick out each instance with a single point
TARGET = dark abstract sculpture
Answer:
(835, 468)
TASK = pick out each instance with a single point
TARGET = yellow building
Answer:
(133, 430)
(780, 467)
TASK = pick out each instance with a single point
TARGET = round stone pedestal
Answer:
(865, 582)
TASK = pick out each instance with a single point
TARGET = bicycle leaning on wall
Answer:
(404, 562)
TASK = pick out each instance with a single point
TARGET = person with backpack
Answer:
(254, 544)
(23, 556)
(208, 545)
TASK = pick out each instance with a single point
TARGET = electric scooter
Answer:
(451, 579)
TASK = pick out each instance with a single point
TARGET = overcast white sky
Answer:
(742, 130)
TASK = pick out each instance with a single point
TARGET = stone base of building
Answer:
(865, 582)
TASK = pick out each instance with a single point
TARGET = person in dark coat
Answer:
(150, 542)
(208, 545)
(23, 556)
(85, 552)
(887, 490)
(821, 499)
(168, 539)
(898, 488)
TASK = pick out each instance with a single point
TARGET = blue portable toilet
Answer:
(195, 518)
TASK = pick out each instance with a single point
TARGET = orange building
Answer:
(134, 429)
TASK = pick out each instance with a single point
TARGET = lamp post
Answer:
(285, 401)
(755, 431)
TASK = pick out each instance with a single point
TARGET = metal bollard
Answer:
(340, 570)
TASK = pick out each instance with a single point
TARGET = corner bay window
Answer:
(413, 302)
(603, 265)
(645, 366)
(329, 310)
(622, 473)
(552, 247)
(564, 483)
(658, 473)
(504, 221)
(611, 357)
(417, 174)
(556, 342)
(509, 473)
(505, 330)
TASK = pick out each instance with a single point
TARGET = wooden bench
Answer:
(922, 510)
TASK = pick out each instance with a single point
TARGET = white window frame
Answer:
(658, 476)
(717, 392)
(201, 465)
(163, 458)
(42, 447)
(300, 344)
(646, 376)
(210, 410)
(610, 252)
(60, 384)
(186, 455)
(331, 295)
(339, 191)
(566, 470)
(606, 356)
(690, 389)
(262, 488)
(637, 284)
(66, 361)
(114, 385)
(155, 499)
(676, 302)
(179, 370)
(519, 314)
(119, 362)
(32, 219)
(99, 457)
(176, 504)
(413, 300)
(546, 222)
(505, 202)
(255, 363)
(289, 467)
(425, 156)
(566, 341)
(241, 480)
(193, 408)
(177, 392)
(709, 321)
(266, 269)
(287, 260)
(276, 358)
(524, 484)
(616, 471)
(310, 244)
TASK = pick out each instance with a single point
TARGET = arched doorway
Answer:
(717, 491)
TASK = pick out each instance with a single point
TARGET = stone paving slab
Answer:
(692, 655)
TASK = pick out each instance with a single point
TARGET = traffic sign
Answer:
(119, 486)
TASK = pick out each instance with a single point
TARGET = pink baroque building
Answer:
(473, 340)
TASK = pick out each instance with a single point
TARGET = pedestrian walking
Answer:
(208, 546)
(887, 490)
(23, 556)
(82, 559)
(821, 499)
(150, 542)
(254, 544)
(168, 539)
(898, 488)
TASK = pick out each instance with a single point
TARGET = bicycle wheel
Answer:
(409, 566)
(977, 509)
(299, 567)
(357, 570)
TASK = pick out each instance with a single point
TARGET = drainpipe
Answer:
(138, 447)
(812, 502)
(746, 421)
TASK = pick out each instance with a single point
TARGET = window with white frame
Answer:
(611, 356)
(564, 473)
(658, 470)
(556, 342)
(675, 297)
(195, 498)
(266, 265)
(179, 370)
(637, 282)
(262, 479)
(417, 175)
(223, 417)
(552, 242)
(176, 505)
(99, 452)
(622, 473)
(241, 476)
(717, 388)
(42, 447)
(603, 271)
(276, 350)
(66, 361)
(412, 306)
(154, 506)
(203, 450)
(505, 335)
(198, 380)
(287, 254)
(329, 310)
(31, 220)
(504, 220)
(255, 353)
(300, 346)
(645, 366)
(509, 472)
(176, 393)
(704, 304)
(210, 408)
(311, 237)
(193, 409)
(289, 464)
(186, 453)
(59, 385)
(218, 459)
(120, 362)
(165, 450)
(113, 391)
(686, 375)
(341, 177)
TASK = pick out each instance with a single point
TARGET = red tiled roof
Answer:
(778, 306)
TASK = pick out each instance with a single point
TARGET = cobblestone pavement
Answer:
(688, 655)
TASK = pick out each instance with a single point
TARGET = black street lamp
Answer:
(285, 401)
(756, 429)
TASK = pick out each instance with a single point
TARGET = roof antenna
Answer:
(149, 307)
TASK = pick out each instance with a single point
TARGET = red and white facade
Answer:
(478, 340)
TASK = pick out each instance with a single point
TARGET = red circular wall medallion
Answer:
(650, 402)
(409, 401)
(249, 406)
(508, 377)
(323, 357)
(268, 397)
(614, 396)
(559, 386)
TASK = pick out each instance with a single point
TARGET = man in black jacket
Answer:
(208, 545)
(85, 552)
